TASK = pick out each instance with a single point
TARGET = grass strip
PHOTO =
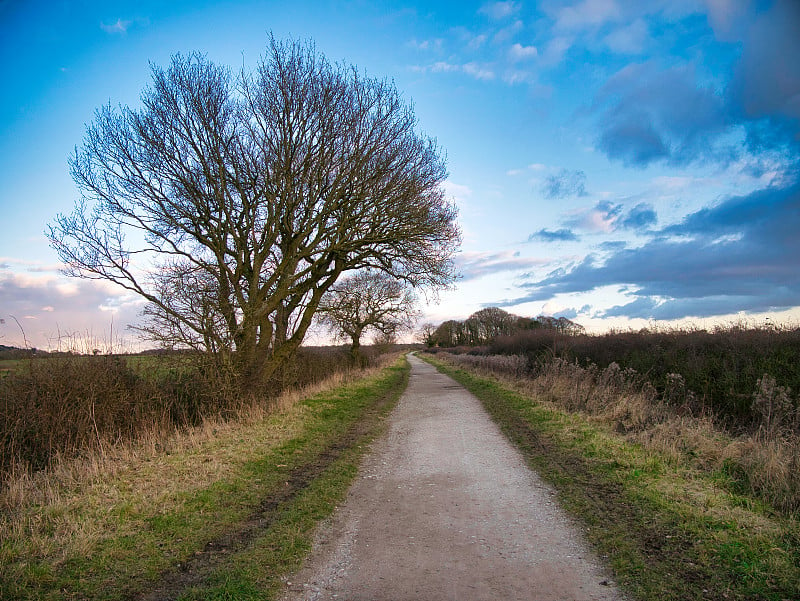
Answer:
(223, 520)
(668, 532)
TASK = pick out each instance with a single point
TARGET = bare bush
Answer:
(77, 406)
(765, 462)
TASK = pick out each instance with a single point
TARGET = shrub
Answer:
(76, 405)
(764, 462)
(713, 371)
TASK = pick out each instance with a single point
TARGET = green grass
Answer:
(223, 519)
(8, 365)
(669, 532)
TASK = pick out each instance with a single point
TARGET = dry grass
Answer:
(646, 485)
(57, 407)
(721, 367)
(764, 462)
(65, 510)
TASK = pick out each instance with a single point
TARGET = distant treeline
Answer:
(12, 352)
(486, 325)
(717, 370)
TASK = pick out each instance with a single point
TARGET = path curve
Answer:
(444, 507)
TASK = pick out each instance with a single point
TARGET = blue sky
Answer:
(614, 162)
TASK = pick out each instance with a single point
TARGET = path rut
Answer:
(445, 508)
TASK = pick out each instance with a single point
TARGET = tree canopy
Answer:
(233, 202)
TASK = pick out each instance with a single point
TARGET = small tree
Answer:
(232, 204)
(427, 334)
(368, 300)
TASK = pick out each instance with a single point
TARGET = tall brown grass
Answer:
(53, 408)
(45, 512)
(762, 461)
(720, 367)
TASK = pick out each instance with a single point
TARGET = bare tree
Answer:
(427, 334)
(492, 322)
(368, 300)
(233, 203)
(450, 333)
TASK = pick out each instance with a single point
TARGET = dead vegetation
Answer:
(162, 512)
(758, 456)
(56, 409)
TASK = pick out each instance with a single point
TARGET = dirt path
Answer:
(445, 508)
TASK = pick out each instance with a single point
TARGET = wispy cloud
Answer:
(564, 184)
(477, 71)
(631, 39)
(562, 235)
(426, 45)
(600, 218)
(500, 10)
(532, 167)
(119, 27)
(588, 13)
(607, 217)
(508, 32)
(474, 265)
(472, 69)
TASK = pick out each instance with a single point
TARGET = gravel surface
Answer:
(445, 508)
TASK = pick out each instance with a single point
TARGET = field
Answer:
(7, 366)
(678, 451)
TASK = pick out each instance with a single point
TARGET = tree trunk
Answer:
(355, 347)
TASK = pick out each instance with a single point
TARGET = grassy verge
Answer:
(222, 518)
(668, 531)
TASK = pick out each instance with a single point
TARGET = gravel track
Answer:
(444, 507)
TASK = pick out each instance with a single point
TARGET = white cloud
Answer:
(552, 307)
(499, 10)
(508, 32)
(600, 218)
(477, 41)
(631, 39)
(474, 265)
(587, 14)
(518, 52)
(444, 67)
(532, 167)
(477, 71)
(515, 76)
(457, 191)
(472, 69)
(426, 45)
(555, 50)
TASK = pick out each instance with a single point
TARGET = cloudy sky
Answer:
(614, 162)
